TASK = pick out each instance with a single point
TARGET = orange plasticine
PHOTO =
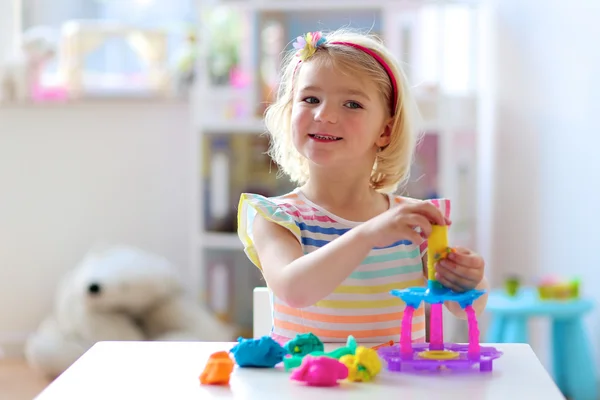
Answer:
(218, 369)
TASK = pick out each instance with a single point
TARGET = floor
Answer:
(18, 381)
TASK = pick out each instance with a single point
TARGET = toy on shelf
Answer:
(320, 371)
(21, 73)
(259, 353)
(437, 355)
(82, 37)
(512, 286)
(186, 64)
(218, 369)
(554, 288)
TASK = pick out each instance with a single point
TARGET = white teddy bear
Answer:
(118, 294)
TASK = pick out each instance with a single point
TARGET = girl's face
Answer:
(338, 120)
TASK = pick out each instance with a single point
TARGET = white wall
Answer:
(74, 175)
(9, 26)
(54, 13)
(546, 127)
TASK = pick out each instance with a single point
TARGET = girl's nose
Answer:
(326, 113)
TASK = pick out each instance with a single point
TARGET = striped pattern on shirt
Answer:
(361, 306)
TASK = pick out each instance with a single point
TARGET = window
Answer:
(116, 57)
(448, 48)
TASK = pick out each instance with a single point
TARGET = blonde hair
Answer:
(392, 164)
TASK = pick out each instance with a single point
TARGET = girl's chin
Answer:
(321, 161)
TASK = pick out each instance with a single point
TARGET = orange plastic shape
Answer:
(218, 369)
(390, 343)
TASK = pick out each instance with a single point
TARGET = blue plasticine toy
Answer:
(259, 353)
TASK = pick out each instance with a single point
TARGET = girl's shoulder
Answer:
(270, 204)
(280, 210)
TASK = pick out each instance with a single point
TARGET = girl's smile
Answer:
(324, 137)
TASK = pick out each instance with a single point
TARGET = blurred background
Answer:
(142, 126)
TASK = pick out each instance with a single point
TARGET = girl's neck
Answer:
(347, 195)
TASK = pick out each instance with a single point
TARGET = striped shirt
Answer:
(362, 305)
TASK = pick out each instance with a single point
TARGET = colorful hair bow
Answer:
(308, 44)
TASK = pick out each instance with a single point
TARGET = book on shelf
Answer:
(230, 279)
(424, 174)
(234, 164)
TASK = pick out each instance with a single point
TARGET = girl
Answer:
(332, 249)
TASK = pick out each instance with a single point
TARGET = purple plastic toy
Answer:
(438, 355)
(458, 358)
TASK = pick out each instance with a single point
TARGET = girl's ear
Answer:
(386, 136)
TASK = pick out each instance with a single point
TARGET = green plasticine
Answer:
(295, 361)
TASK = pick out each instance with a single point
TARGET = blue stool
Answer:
(574, 367)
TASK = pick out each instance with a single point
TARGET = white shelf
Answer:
(257, 127)
(233, 126)
(309, 5)
(220, 241)
(447, 106)
(327, 5)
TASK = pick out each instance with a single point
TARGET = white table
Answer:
(170, 370)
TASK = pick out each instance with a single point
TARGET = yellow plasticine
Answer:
(437, 246)
(349, 361)
(367, 359)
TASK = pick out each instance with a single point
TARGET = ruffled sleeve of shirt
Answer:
(274, 211)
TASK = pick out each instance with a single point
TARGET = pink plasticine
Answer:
(320, 371)
(406, 331)
(473, 330)
(437, 329)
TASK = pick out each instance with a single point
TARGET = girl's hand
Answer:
(461, 271)
(410, 220)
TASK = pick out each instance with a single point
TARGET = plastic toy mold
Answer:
(414, 296)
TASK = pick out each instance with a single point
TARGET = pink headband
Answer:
(308, 44)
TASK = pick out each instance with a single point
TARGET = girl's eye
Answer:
(311, 100)
(353, 104)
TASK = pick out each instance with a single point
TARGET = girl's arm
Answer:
(302, 280)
